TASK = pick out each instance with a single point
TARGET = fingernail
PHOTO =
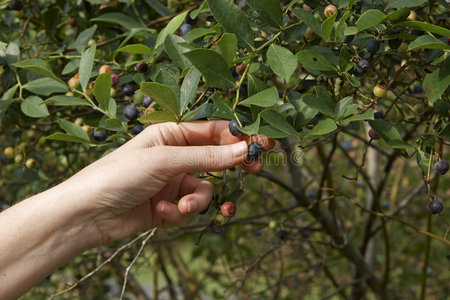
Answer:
(239, 149)
(191, 206)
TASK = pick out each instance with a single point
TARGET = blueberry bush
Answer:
(353, 201)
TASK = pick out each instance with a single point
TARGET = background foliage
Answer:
(335, 213)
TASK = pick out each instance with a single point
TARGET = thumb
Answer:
(176, 160)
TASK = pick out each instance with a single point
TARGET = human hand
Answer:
(135, 186)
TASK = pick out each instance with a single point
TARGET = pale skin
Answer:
(131, 189)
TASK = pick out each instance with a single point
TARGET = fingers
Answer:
(171, 215)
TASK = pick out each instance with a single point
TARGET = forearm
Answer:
(39, 234)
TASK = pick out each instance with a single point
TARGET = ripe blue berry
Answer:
(184, 29)
(234, 127)
(378, 115)
(99, 135)
(147, 101)
(234, 72)
(141, 67)
(137, 129)
(128, 90)
(441, 167)
(363, 66)
(417, 89)
(373, 46)
(16, 5)
(254, 150)
(131, 112)
(435, 207)
(191, 21)
(282, 234)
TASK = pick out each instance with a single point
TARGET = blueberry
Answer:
(99, 135)
(385, 205)
(16, 5)
(243, 91)
(373, 46)
(137, 129)
(346, 145)
(234, 127)
(282, 234)
(218, 229)
(141, 67)
(191, 21)
(128, 90)
(378, 115)
(254, 150)
(435, 207)
(147, 101)
(184, 29)
(417, 89)
(257, 232)
(131, 112)
(280, 93)
(441, 167)
(363, 65)
(311, 195)
(234, 72)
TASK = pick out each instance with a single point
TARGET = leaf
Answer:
(437, 82)
(197, 33)
(272, 132)
(233, 20)
(321, 105)
(45, 86)
(158, 117)
(255, 85)
(369, 18)
(171, 27)
(102, 89)
(212, 65)
(189, 88)
(327, 26)
(136, 49)
(66, 100)
(345, 107)
(175, 51)
(119, 19)
(252, 128)
(427, 42)
(278, 121)
(367, 115)
(341, 24)
(203, 111)
(266, 98)
(344, 58)
(32, 106)
(422, 160)
(314, 61)
(425, 27)
(227, 47)
(162, 94)
(73, 129)
(281, 61)
(405, 3)
(86, 64)
(59, 136)
(399, 14)
(351, 30)
(6, 100)
(323, 127)
(309, 20)
(445, 133)
(39, 66)
(159, 8)
(269, 10)
(352, 79)
(84, 37)
(388, 133)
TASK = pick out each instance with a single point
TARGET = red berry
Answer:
(373, 134)
(228, 209)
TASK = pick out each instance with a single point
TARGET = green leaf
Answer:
(175, 51)
(399, 14)
(322, 105)
(423, 160)
(51, 21)
(171, 27)
(252, 128)
(344, 58)
(367, 115)
(352, 79)
(269, 10)
(86, 64)
(255, 85)
(45, 86)
(73, 129)
(427, 42)
(272, 132)
(437, 82)
(369, 18)
(315, 61)
(158, 117)
(281, 61)
(327, 26)
(445, 133)
(341, 24)
(222, 109)
(84, 37)
(227, 47)
(39, 66)
(345, 107)
(266, 98)
(66, 100)
(189, 88)
(119, 19)
(6, 100)
(102, 89)
(197, 33)
(162, 94)
(278, 121)
(425, 27)
(233, 20)
(59, 136)
(33, 107)
(212, 65)
(309, 20)
(351, 30)
(159, 8)
(405, 3)
(323, 127)
(136, 49)
(388, 133)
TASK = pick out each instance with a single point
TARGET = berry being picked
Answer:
(141, 67)
(441, 167)
(254, 150)
(137, 129)
(330, 10)
(378, 115)
(373, 134)
(363, 66)
(191, 21)
(8, 152)
(372, 46)
(184, 29)
(30, 163)
(131, 112)
(105, 69)
(16, 5)
(241, 68)
(128, 90)
(99, 135)
(379, 91)
(282, 234)
(435, 207)
(228, 209)
(147, 101)
(115, 79)
(234, 127)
